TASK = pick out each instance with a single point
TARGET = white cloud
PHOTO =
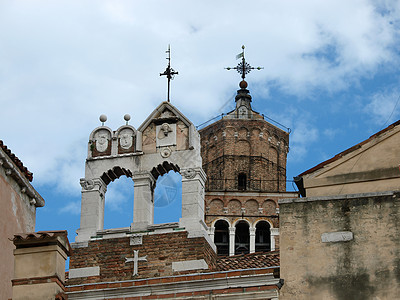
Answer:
(64, 63)
(72, 208)
(384, 107)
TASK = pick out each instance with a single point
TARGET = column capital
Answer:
(252, 231)
(93, 184)
(274, 231)
(232, 230)
(193, 174)
(146, 175)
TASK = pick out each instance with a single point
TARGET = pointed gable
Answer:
(370, 166)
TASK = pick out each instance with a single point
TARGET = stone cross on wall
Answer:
(135, 260)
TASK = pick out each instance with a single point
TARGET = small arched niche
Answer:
(221, 237)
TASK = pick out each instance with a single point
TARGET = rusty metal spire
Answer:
(169, 72)
(243, 67)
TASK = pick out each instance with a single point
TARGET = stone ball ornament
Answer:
(127, 117)
(103, 118)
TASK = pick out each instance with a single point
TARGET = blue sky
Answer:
(330, 74)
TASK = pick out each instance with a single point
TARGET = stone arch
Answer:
(234, 207)
(243, 133)
(157, 137)
(251, 207)
(164, 168)
(115, 173)
(241, 219)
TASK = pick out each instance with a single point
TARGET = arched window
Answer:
(221, 237)
(242, 238)
(242, 181)
(263, 237)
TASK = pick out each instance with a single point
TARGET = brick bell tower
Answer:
(244, 158)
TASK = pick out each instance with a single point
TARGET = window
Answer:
(263, 237)
(242, 238)
(242, 181)
(221, 237)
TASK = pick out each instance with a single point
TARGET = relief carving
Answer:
(101, 138)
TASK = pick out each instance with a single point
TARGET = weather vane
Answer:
(243, 67)
(169, 72)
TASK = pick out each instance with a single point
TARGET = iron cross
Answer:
(243, 67)
(136, 260)
(169, 72)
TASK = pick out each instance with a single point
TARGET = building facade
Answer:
(244, 158)
(19, 201)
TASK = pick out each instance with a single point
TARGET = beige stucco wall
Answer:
(16, 215)
(366, 267)
(372, 168)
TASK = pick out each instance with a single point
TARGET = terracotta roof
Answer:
(16, 160)
(351, 149)
(249, 261)
(39, 235)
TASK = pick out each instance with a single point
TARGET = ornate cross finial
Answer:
(243, 67)
(169, 72)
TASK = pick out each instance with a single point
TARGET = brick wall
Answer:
(161, 250)
(253, 147)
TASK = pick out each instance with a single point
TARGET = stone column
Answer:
(92, 208)
(39, 265)
(143, 205)
(232, 231)
(193, 180)
(274, 233)
(211, 232)
(252, 240)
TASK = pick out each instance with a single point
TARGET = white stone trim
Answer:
(188, 265)
(84, 272)
(181, 287)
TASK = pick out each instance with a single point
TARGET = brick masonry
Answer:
(161, 250)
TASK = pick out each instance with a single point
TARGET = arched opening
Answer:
(242, 238)
(221, 237)
(168, 198)
(118, 210)
(263, 237)
(242, 181)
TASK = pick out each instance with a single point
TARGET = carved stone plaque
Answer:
(102, 137)
(341, 236)
(166, 135)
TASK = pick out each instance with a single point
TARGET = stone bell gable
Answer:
(165, 141)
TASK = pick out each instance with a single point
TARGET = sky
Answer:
(331, 75)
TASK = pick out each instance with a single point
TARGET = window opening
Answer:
(242, 238)
(168, 198)
(263, 237)
(221, 237)
(118, 210)
(242, 181)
